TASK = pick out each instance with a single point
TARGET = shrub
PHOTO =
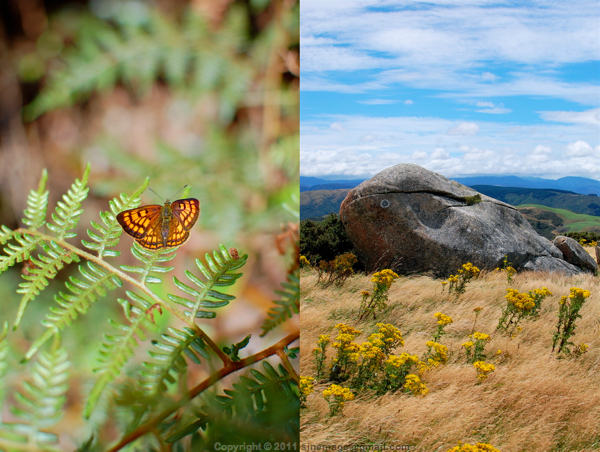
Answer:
(324, 240)
(336, 271)
(336, 397)
(371, 302)
(458, 283)
(520, 306)
(569, 307)
(476, 346)
(483, 369)
(306, 388)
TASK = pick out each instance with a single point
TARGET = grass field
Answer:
(532, 402)
(574, 221)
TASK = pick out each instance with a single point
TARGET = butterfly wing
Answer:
(153, 239)
(186, 211)
(139, 222)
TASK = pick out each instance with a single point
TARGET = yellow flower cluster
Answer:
(468, 344)
(338, 392)
(304, 262)
(344, 339)
(370, 354)
(306, 385)
(479, 447)
(480, 336)
(399, 361)
(543, 292)
(469, 268)
(441, 353)
(579, 293)
(521, 301)
(323, 339)
(414, 385)
(392, 336)
(385, 277)
(483, 369)
(443, 319)
(365, 293)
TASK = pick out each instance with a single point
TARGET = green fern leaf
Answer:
(219, 273)
(150, 259)
(168, 359)
(17, 253)
(267, 403)
(116, 350)
(3, 362)
(41, 400)
(287, 306)
(37, 204)
(82, 293)
(108, 235)
(68, 212)
(46, 267)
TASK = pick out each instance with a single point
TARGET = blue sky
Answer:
(462, 88)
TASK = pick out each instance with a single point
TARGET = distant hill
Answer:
(549, 221)
(559, 199)
(580, 185)
(319, 203)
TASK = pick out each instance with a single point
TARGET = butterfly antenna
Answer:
(178, 191)
(155, 193)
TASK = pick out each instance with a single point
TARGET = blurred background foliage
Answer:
(198, 92)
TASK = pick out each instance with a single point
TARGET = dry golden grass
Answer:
(532, 402)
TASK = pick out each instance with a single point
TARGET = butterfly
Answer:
(155, 226)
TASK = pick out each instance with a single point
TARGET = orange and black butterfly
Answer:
(155, 226)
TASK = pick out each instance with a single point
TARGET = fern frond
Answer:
(3, 362)
(150, 259)
(37, 204)
(82, 293)
(287, 306)
(16, 253)
(219, 273)
(40, 400)
(108, 235)
(266, 403)
(168, 359)
(68, 212)
(45, 268)
(117, 349)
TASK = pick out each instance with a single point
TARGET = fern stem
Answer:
(124, 276)
(229, 368)
(288, 365)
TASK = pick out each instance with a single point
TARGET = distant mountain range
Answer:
(580, 185)
(318, 203)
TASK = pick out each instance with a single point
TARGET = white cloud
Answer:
(540, 149)
(578, 149)
(495, 110)
(368, 138)
(591, 117)
(549, 150)
(408, 102)
(378, 101)
(445, 45)
(464, 128)
(440, 154)
(485, 104)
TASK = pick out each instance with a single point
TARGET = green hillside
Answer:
(561, 199)
(558, 221)
(319, 203)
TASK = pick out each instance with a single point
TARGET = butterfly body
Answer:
(156, 226)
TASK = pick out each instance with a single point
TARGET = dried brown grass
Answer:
(532, 402)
